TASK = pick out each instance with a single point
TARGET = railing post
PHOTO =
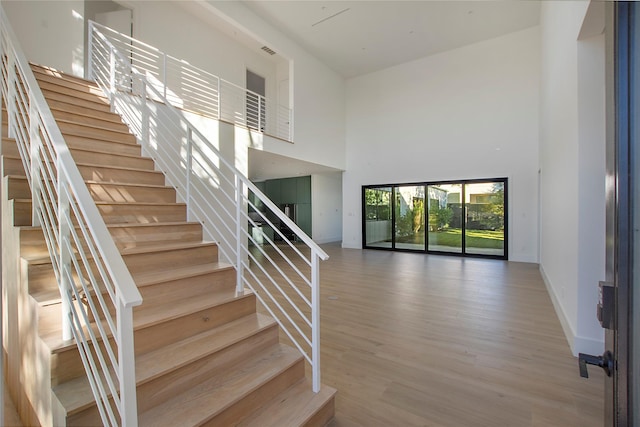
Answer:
(112, 76)
(64, 261)
(164, 74)
(90, 47)
(315, 321)
(219, 100)
(35, 150)
(188, 171)
(239, 205)
(144, 111)
(260, 118)
(11, 89)
(126, 365)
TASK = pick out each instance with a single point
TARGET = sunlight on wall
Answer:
(77, 58)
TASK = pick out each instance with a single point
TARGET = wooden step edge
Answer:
(296, 406)
(168, 247)
(156, 363)
(159, 277)
(92, 127)
(143, 320)
(167, 359)
(94, 103)
(99, 166)
(127, 184)
(152, 248)
(121, 168)
(112, 117)
(50, 71)
(110, 153)
(149, 316)
(70, 83)
(210, 398)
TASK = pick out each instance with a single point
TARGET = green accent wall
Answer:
(291, 190)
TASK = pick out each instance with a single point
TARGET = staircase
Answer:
(204, 356)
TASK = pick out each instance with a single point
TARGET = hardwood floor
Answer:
(415, 340)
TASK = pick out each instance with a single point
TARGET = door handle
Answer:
(605, 362)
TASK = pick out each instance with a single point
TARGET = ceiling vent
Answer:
(268, 50)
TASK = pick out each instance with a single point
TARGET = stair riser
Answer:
(128, 214)
(105, 174)
(72, 108)
(129, 148)
(258, 397)
(175, 258)
(174, 330)
(78, 92)
(32, 243)
(9, 147)
(106, 123)
(112, 160)
(97, 133)
(21, 213)
(66, 83)
(12, 166)
(167, 386)
(194, 286)
(89, 103)
(18, 188)
(123, 193)
(323, 415)
(136, 237)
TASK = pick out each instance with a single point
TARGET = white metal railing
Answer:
(251, 231)
(97, 291)
(194, 89)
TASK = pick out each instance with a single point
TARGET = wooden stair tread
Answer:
(76, 395)
(294, 407)
(90, 126)
(49, 71)
(145, 316)
(204, 401)
(98, 166)
(108, 153)
(156, 277)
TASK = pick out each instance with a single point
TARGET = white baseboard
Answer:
(577, 344)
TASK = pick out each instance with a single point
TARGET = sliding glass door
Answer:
(445, 218)
(458, 217)
(409, 217)
(484, 219)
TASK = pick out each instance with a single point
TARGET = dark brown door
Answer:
(619, 307)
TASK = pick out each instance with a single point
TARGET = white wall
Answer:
(51, 33)
(326, 207)
(318, 93)
(572, 163)
(466, 113)
(174, 30)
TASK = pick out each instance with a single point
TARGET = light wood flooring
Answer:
(415, 340)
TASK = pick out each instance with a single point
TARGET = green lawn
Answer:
(475, 238)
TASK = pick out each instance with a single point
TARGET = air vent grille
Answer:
(268, 50)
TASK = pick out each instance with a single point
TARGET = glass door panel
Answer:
(377, 213)
(484, 218)
(409, 217)
(445, 218)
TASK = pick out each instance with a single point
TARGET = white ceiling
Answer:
(359, 37)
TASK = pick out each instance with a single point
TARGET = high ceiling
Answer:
(359, 37)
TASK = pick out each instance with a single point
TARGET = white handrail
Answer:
(267, 261)
(93, 279)
(194, 89)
